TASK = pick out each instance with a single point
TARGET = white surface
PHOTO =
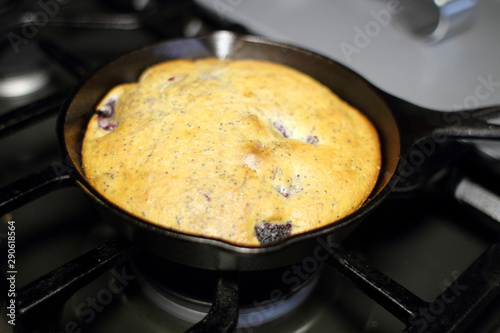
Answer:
(445, 76)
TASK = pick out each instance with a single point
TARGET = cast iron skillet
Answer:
(400, 125)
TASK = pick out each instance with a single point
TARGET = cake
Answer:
(243, 151)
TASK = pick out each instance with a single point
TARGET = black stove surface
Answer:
(424, 241)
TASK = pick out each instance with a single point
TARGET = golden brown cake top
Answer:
(240, 151)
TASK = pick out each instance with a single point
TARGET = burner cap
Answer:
(187, 292)
(23, 72)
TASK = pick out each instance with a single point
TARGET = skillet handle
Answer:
(33, 186)
(467, 124)
(417, 123)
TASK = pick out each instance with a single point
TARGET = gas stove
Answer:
(425, 261)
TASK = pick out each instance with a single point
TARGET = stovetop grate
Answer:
(40, 303)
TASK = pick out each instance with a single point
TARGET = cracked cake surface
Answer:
(246, 151)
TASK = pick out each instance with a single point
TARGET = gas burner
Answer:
(23, 84)
(187, 293)
(24, 72)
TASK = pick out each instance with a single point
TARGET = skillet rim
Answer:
(370, 204)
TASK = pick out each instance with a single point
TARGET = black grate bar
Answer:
(27, 115)
(98, 20)
(455, 309)
(44, 298)
(35, 185)
(223, 315)
(451, 312)
(392, 296)
(69, 61)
